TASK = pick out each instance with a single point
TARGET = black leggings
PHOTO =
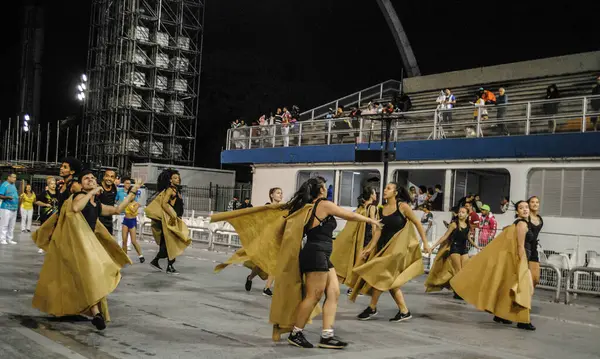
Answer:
(162, 248)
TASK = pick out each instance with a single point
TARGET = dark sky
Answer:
(259, 55)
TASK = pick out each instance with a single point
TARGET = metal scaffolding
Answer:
(143, 72)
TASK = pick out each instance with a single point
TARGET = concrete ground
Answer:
(199, 314)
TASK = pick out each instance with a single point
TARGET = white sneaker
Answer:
(3, 242)
(40, 251)
(12, 242)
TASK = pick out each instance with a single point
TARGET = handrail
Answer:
(525, 117)
(360, 97)
(558, 280)
(568, 289)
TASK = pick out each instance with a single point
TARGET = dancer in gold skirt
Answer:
(498, 280)
(394, 255)
(452, 256)
(355, 236)
(165, 211)
(83, 262)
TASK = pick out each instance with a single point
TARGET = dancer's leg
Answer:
(136, 245)
(534, 267)
(316, 283)
(332, 295)
(399, 299)
(124, 231)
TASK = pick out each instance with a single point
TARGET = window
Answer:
(566, 192)
(490, 184)
(329, 176)
(427, 178)
(352, 183)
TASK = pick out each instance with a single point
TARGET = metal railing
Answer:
(595, 282)
(573, 114)
(355, 99)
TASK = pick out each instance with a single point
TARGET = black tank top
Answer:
(529, 237)
(392, 224)
(460, 236)
(178, 205)
(368, 228)
(535, 230)
(63, 196)
(320, 237)
(90, 212)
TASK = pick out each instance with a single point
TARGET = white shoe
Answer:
(3, 242)
(40, 251)
(12, 242)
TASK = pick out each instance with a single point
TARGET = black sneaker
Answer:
(267, 292)
(502, 321)
(526, 326)
(367, 314)
(332, 343)
(171, 269)
(154, 264)
(248, 285)
(349, 292)
(99, 322)
(299, 340)
(400, 317)
(142, 259)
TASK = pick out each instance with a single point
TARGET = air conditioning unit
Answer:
(136, 78)
(160, 82)
(155, 148)
(176, 107)
(139, 57)
(161, 38)
(180, 63)
(179, 85)
(131, 100)
(132, 145)
(156, 104)
(161, 61)
(140, 33)
(183, 42)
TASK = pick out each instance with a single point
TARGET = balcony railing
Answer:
(573, 114)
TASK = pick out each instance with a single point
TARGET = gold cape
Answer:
(347, 248)
(177, 237)
(270, 239)
(397, 263)
(80, 268)
(258, 235)
(496, 281)
(441, 271)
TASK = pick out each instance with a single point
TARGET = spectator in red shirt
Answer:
(473, 219)
(488, 226)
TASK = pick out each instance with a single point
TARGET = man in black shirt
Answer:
(108, 197)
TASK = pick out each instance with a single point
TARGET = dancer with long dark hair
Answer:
(355, 236)
(531, 248)
(394, 255)
(498, 279)
(165, 211)
(83, 262)
(453, 255)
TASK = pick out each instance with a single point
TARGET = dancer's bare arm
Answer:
(521, 232)
(445, 237)
(408, 213)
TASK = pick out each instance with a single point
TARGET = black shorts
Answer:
(532, 255)
(459, 248)
(314, 260)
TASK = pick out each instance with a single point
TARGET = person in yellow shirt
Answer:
(129, 226)
(27, 200)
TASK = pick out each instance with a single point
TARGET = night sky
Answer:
(259, 55)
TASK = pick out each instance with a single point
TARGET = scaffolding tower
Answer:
(143, 73)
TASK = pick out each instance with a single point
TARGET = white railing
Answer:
(573, 114)
(356, 99)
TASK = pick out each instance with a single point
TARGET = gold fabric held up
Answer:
(177, 237)
(347, 248)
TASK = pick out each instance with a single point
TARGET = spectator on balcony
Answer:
(246, 203)
(479, 113)
(437, 200)
(550, 107)
(595, 104)
(449, 103)
(473, 218)
(504, 204)
(488, 97)
(501, 102)
(402, 102)
(234, 204)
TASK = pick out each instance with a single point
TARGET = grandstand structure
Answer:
(143, 72)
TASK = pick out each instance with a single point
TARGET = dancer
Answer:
(275, 196)
(531, 247)
(455, 249)
(498, 280)
(355, 236)
(165, 211)
(83, 262)
(68, 169)
(108, 197)
(128, 227)
(295, 301)
(397, 258)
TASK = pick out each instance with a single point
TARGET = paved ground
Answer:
(202, 315)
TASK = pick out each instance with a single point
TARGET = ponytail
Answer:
(307, 193)
(365, 195)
